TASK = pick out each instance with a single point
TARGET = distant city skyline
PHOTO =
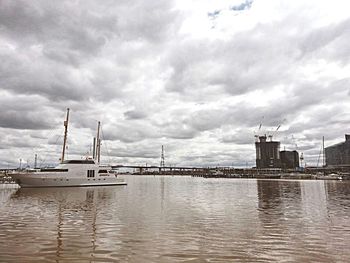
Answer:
(201, 78)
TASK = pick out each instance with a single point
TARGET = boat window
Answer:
(102, 171)
(79, 162)
(90, 173)
(53, 170)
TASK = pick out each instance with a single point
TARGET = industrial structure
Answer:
(338, 155)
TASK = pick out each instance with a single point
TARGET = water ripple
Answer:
(178, 219)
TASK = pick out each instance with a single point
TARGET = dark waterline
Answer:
(178, 219)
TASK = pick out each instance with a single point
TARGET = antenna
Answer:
(162, 159)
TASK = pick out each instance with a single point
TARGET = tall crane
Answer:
(276, 130)
(256, 134)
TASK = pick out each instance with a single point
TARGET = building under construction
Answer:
(339, 154)
(289, 159)
(268, 155)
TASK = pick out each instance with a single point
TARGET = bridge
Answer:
(145, 169)
(182, 170)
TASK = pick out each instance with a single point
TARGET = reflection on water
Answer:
(171, 219)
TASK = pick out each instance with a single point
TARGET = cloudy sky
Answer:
(196, 76)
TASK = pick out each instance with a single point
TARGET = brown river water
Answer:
(178, 219)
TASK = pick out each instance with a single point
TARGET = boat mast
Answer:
(98, 143)
(65, 135)
(94, 148)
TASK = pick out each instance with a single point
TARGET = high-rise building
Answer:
(267, 153)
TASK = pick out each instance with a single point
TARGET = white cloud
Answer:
(196, 76)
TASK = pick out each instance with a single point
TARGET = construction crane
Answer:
(274, 132)
(256, 134)
(295, 144)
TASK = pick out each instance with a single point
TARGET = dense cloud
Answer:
(198, 77)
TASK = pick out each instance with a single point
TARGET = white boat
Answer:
(85, 172)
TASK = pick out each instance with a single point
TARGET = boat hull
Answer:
(26, 181)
